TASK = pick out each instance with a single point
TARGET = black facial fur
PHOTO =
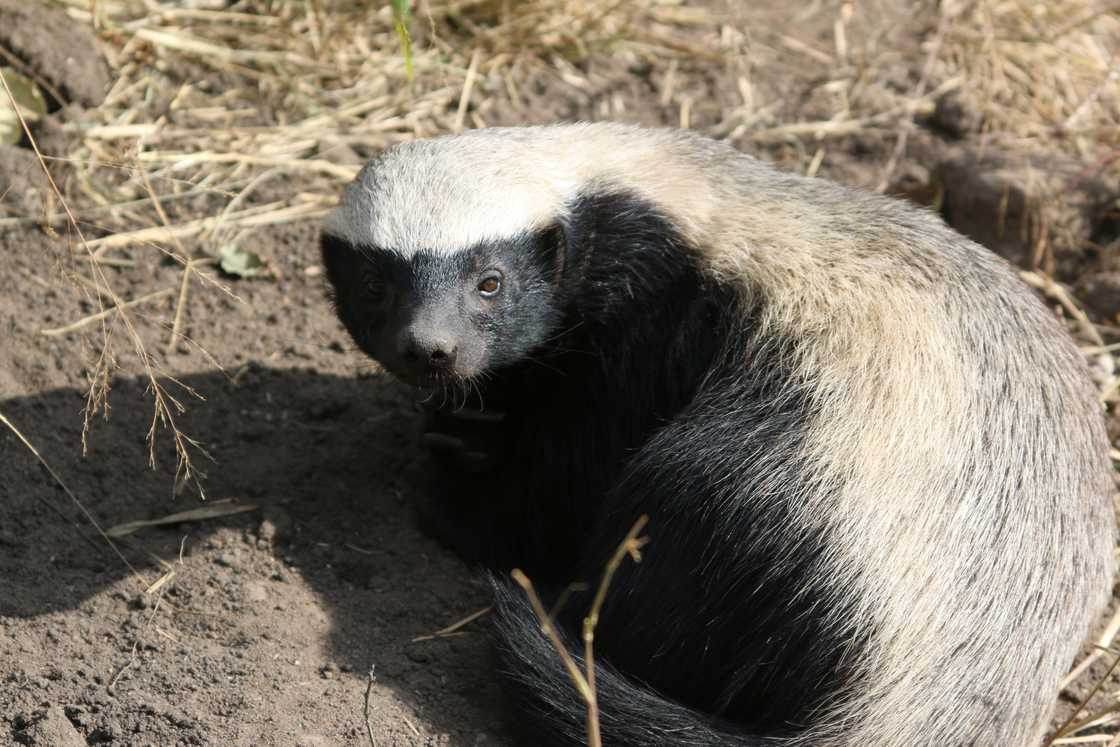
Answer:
(400, 311)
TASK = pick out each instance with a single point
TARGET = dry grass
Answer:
(1047, 72)
(222, 106)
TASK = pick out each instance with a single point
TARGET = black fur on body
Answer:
(633, 379)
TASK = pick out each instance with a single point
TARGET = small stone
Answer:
(1101, 293)
(267, 530)
(957, 114)
(226, 559)
(256, 592)
(417, 654)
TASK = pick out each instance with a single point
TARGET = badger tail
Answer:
(553, 711)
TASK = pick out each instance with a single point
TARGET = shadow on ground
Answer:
(274, 616)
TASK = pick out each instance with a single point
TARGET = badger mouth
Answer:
(447, 390)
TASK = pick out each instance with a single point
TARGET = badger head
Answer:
(444, 259)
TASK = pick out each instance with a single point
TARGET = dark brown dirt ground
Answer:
(274, 618)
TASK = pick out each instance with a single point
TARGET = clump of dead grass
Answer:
(1044, 71)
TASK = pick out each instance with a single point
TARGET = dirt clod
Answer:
(54, 48)
(1036, 209)
(956, 115)
(21, 181)
(47, 728)
(1101, 293)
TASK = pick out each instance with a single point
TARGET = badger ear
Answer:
(554, 248)
(563, 242)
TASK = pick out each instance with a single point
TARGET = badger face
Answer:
(433, 318)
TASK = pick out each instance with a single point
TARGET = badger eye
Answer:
(490, 284)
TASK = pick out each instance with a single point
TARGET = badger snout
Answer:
(431, 352)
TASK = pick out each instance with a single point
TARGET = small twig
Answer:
(1110, 630)
(86, 321)
(365, 710)
(1061, 730)
(132, 658)
(1094, 718)
(585, 681)
(550, 630)
(181, 304)
(176, 325)
(465, 96)
(454, 626)
(1045, 284)
(631, 545)
(572, 588)
(31, 73)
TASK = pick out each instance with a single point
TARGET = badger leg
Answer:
(464, 463)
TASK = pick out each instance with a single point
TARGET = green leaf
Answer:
(30, 101)
(401, 17)
(241, 263)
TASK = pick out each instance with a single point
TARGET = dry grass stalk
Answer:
(133, 653)
(213, 510)
(584, 680)
(106, 313)
(631, 546)
(1069, 726)
(455, 626)
(166, 405)
(1104, 642)
(370, 679)
(1045, 71)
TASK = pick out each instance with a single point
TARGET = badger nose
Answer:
(435, 353)
(441, 356)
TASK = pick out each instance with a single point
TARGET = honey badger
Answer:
(874, 467)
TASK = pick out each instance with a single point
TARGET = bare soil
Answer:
(294, 623)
